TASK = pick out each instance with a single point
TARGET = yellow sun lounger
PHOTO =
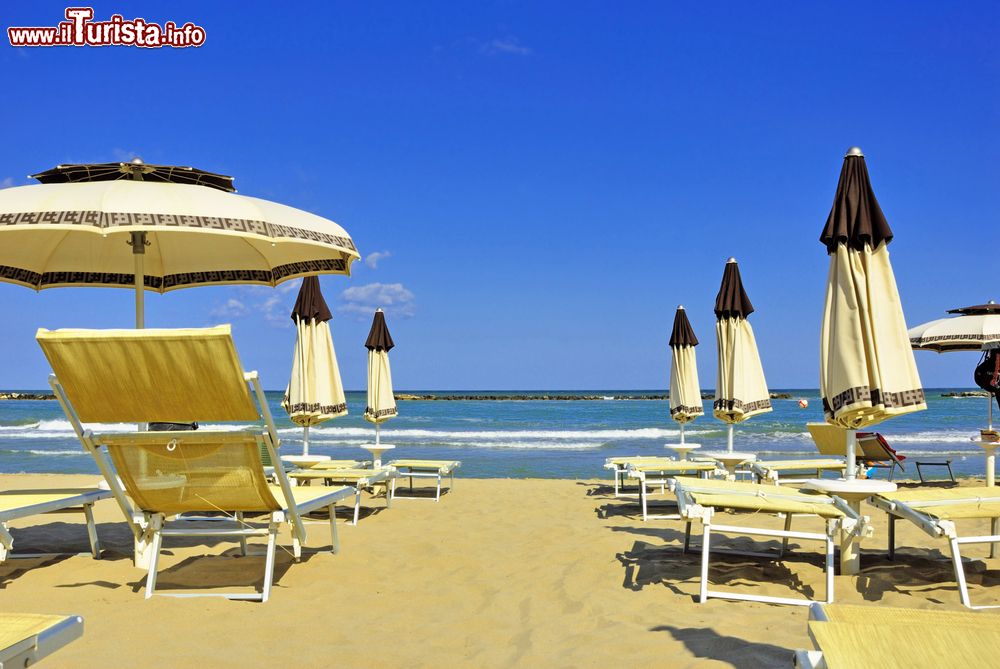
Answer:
(650, 472)
(431, 469)
(803, 469)
(17, 504)
(26, 638)
(855, 636)
(935, 511)
(137, 376)
(619, 466)
(359, 478)
(340, 464)
(699, 499)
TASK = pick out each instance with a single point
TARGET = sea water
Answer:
(534, 438)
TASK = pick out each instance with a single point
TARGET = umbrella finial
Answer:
(854, 151)
(137, 161)
(991, 302)
(680, 307)
(731, 259)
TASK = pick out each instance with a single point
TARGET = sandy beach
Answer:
(501, 573)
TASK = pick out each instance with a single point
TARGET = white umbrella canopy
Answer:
(381, 402)
(315, 393)
(740, 388)
(974, 329)
(145, 232)
(685, 392)
(867, 370)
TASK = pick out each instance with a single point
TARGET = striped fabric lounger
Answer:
(698, 499)
(657, 472)
(432, 469)
(889, 637)
(26, 638)
(17, 504)
(935, 511)
(358, 478)
(804, 469)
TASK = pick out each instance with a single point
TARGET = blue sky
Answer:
(545, 181)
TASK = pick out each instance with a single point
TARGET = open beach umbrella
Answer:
(740, 387)
(974, 329)
(685, 393)
(157, 228)
(381, 403)
(315, 393)
(867, 371)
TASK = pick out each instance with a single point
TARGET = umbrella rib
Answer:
(51, 253)
(267, 263)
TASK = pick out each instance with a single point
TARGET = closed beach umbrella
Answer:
(315, 393)
(381, 403)
(867, 371)
(974, 329)
(740, 387)
(685, 393)
(157, 228)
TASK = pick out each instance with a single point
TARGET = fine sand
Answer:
(500, 573)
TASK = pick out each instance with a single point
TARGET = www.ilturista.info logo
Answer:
(79, 29)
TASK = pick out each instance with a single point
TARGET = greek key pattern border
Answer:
(740, 405)
(107, 220)
(873, 397)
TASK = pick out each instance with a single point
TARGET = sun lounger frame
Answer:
(149, 529)
(659, 478)
(82, 502)
(763, 471)
(38, 646)
(369, 480)
(941, 528)
(429, 472)
(853, 524)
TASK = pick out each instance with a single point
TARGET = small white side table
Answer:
(852, 491)
(731, 460)
(683, 449)
(304, 461)
(377, 450)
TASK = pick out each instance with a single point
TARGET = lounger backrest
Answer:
(873, 445)
(138, 376)
(830, 439)
(174, 472)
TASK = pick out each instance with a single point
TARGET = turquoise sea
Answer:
(520, 439)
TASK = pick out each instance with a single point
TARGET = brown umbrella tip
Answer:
(990, 307)
(732, 300)
(856, 219)
(378, 337)
(310, 305)
(135, 170)
(682, 333)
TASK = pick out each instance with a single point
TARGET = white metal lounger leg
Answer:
(390, 492)
(706, 551)
(154, 550)
(831, 532)
(357, 505)
(334, 535)
(143, 549)
(6, 542)
(272, 539)
(784, 540)
(243, 540)
(437, 497)
(642, 496)
(95, 544)
(956, 557)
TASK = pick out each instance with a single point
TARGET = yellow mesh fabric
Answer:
(757, 497)
(340, 474)
(131, 376)
(793, 465)
(968, 502)
(171, 477)
(674, 466)
(636, 459)
(16, 627)
(337, 464)
(879, 615)
(11, 500)
(887, 646)
(442, 465)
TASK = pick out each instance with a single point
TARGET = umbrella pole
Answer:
(989, 411)
(305, 440)
(852, 444)
(138, 244)
(729, 439)
(682, 434)
(376, 434)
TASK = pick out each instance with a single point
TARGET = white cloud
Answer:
(508, 45)
(362, 301)
(373, 259)
(7, 182)
(232, 308)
